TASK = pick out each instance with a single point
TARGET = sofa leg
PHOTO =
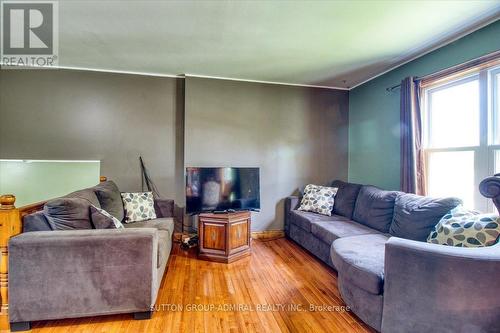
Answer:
(142, 315)
(20, 326)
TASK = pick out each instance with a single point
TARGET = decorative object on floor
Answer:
(224, 237)
(465, 228)
(139, 206)
(318, 199)
(101, 219)
(189, 242)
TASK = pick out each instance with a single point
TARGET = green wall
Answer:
(34, 181)
(374, 156)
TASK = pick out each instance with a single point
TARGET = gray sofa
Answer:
(68, 269)
(387, 274)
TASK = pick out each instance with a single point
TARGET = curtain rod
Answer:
(391, 89)
(488, 58)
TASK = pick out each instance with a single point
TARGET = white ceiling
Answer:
(325, 43)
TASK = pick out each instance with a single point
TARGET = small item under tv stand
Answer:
(224, 237)
(225, 211)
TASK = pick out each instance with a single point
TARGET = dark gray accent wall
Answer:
(83, 115)
(296, 135)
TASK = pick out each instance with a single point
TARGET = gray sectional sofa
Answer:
(388, 274)
(81, 271)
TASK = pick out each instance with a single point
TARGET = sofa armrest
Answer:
(291, 203)
(77, 273)
(431, 287)
(164, 207)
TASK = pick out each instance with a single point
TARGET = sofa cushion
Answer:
(68, 213)
(36, 222)
(164, 207)
(304, 219)
(87, 194)
(164, 223)
(415, 216)
(165, 227)
(328, 231)
(360, 259)
(375, 207)
(110, 199)
(345, 198)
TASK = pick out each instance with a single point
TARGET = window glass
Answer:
(451, 174)
(454, 115)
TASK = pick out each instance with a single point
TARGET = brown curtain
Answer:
(412, 156)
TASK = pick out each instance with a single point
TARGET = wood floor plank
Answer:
(270, 291)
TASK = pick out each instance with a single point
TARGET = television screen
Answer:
(221, 189)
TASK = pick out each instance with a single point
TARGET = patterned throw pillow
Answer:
(318, 199)
(101, 219)
(139, 206)
(465, 228)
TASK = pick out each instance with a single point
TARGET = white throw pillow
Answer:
(465, 228)
(138, 206)
(318, 199)
(101, 219)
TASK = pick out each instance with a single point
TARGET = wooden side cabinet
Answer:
(224, 237)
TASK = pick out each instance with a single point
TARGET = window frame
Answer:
(493, 113)
(484, 152)
(494, 104)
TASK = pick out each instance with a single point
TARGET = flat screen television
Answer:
(222, 189)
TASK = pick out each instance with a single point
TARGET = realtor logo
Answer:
(29, 35)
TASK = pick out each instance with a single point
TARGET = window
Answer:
(462, 135)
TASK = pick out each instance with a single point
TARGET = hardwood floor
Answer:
(278, 274)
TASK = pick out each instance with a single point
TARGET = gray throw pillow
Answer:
(375, 207)
(415, 216)
(101, 219)
(68, 213)
(110, 199)
(87, 194)
(345, 199)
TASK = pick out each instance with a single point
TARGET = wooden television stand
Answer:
(224, 237)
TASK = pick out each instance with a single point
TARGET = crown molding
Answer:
(266, 82)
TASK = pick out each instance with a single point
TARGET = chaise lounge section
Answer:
(388, 274)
